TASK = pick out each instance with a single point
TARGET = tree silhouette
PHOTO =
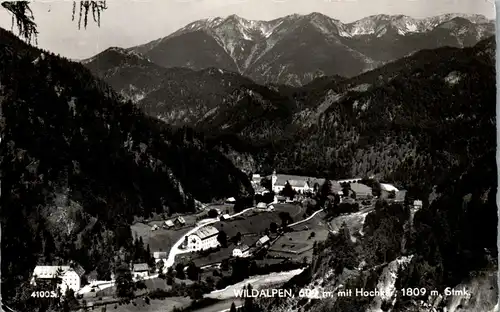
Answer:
(124, 282)
(22, 16)
(222, 238)
(233, 307)
(192, 271)
(288, 191)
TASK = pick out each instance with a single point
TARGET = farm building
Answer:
(231, 200)
(158, 255)
(261, 205)
(241, 251)
(70, 277)
(154, 227)
(388, 187)
(417, 204)
(264, 240)
(168, 224)
(362, 191)
(225, 217)
(204, 238)
(400, 196)
(256, 178)
(140, 270)
(180, 221)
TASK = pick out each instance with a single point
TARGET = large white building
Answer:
(70, 278)
(298, 183)
(204, 238)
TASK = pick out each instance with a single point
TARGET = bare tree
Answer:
(22, 16)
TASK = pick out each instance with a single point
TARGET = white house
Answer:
(225, 217)
(388, 187)
(204, 238)
(417, 204)
(180, 221)
(231, 200)
(70, 278)
(140, 270)
(168, 224)
(242, 251)
(298, 183)
(158, 255)
(261, 205)
(263, 241)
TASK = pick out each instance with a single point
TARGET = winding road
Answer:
(175, 250)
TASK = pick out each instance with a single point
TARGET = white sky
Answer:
(128, 23)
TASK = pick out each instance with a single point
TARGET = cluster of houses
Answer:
(244, 250)
(70, 276)
(169, 224)
(303, 185)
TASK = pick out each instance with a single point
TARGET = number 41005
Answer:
(44, 294)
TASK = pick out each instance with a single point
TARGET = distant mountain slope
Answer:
(77, 164)
(295, 49)
(436, 102)
(333, 124)
(212, 100)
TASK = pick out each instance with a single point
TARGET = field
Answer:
(256, 222)
(297, 244)
(165, 305)
(295, 211)
(161, 239)
(354, 221)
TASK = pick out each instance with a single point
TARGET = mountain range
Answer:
(295, 49)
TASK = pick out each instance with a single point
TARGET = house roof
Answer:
(231, 199)
(388, 187)
(169, 223)
(263, 239)
(50, 271)
(417, 202)
(226, 216)
(243, 248)
(297, 183)
(261, 205)
(180, 219)
(283, 178)
(160, 254)
(206, 232)
(140, 267)
(400, 195)
(79, 270)
(361, 189)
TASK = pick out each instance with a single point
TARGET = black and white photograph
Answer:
(248, 156)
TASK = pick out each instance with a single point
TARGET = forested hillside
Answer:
(78, 163)
(412, 121)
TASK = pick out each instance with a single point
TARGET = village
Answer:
(216, 244)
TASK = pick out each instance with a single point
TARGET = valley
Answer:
(299, 153)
